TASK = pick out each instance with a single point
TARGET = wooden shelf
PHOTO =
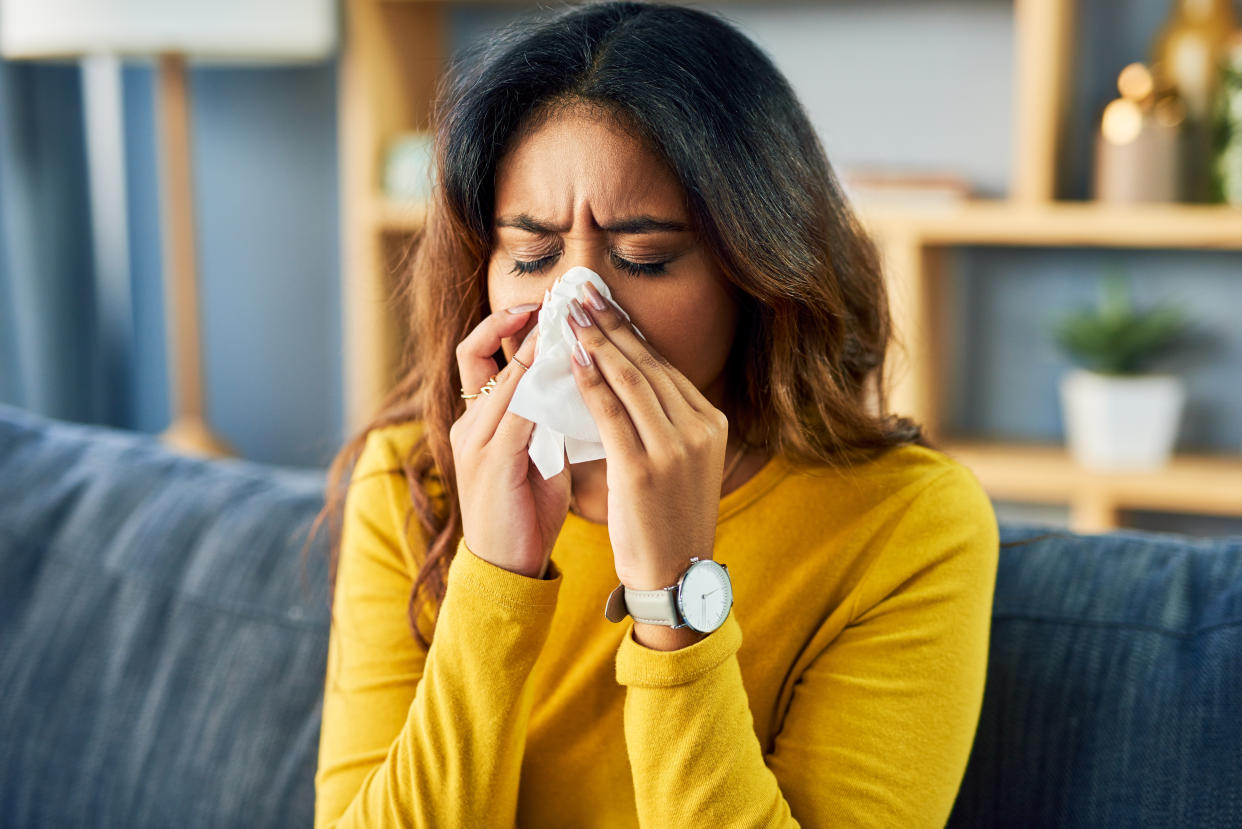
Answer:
(1201, 484)
(1069, 224)
(1000, 222)
(398, 217)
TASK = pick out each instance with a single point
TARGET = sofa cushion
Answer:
(162, 647)
(1114, 689)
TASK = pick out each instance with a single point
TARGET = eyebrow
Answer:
(629, 224)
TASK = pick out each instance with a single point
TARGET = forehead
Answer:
(580, 159)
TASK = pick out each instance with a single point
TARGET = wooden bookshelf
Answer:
(396, 49)
(393, 56)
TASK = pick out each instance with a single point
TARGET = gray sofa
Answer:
(162, 648)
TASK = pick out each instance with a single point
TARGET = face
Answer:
(581, 191)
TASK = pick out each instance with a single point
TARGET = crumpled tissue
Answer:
(547, 394)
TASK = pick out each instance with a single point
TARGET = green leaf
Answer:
(1116, 338)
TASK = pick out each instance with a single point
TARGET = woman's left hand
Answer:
(665, 445)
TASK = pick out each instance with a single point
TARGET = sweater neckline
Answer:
(734, 502)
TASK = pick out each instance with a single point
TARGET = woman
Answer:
(660, 148)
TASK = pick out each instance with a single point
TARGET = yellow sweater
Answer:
(844, 688)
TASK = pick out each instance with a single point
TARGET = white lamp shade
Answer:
(225, 30)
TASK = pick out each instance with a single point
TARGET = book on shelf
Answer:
(890, 187)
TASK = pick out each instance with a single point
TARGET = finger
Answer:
(493, 411)
(616, 430)
(627, 381)
(663, 375)
(475, 363)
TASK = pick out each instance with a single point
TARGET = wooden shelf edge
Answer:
(1069, 224)
(1200, 484)
(390, 216)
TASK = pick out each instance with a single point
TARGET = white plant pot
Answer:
(1121, 422)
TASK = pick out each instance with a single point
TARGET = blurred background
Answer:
(201, 225)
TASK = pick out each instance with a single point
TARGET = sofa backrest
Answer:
(1114, 689)
(162, 647)
(162, 650)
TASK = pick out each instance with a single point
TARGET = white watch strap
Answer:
(655, 607)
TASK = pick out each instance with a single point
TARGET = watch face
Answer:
(706, 596)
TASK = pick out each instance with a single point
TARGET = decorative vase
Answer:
(1188, 50)
(1121, 422)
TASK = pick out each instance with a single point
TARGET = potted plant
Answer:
(1118, 415)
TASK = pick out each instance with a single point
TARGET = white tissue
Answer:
(548, 394)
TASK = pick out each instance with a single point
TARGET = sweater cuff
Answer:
(645, 667)
(504, 587)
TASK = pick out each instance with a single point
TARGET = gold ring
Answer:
(520, 363)
(487, 389)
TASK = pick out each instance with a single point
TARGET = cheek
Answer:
(695, 336)
(503, 290)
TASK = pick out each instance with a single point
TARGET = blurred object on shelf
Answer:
(1189, 47)
(1138, 143)
(1187, 51)
(1227, 127)
(409, 166)
(1117, 414)
(879, 186)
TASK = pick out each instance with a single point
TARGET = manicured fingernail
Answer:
(579, 315)
(580, 354)
(522, 309)
(594, 297)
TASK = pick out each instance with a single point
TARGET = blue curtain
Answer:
(47, 363)
(264, 144)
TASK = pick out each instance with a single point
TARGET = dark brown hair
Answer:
(805, 374)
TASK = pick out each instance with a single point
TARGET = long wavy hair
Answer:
(805, 374)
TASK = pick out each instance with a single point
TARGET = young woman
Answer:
(834, 673)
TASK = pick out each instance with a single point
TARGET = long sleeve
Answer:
(412, 737)
(881, 722)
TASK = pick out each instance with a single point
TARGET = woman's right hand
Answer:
(511, 516)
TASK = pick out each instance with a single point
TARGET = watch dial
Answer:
(706, 596)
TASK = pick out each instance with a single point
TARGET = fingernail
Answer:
(579, 315)
(522, 309)
(594, 297)
(580, 354)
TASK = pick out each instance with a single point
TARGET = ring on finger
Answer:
(487, 389)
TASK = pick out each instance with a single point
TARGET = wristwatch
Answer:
(700, 600)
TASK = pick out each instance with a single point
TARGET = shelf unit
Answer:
(394, 53)
(395, 50)
(913, 242)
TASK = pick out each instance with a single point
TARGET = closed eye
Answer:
(639, 268)
(533, 266)
(521, 266)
